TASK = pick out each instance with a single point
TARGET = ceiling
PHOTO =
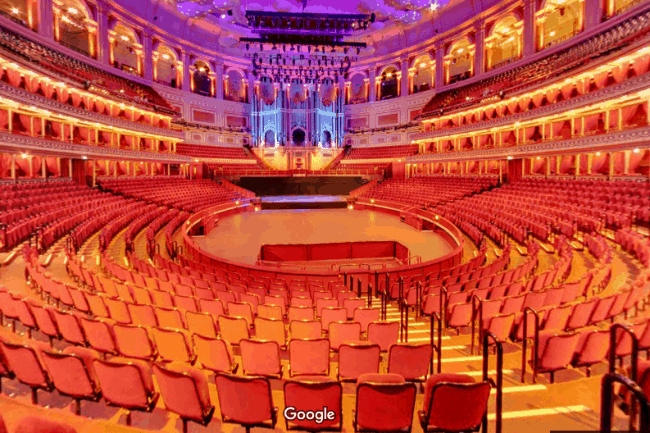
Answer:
(387, 12)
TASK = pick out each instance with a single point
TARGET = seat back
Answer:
(384, 334)
(201, 323)
(271, 330)
(185, 392)
(457, 406)
(233, 329)
(214, 354)
(305, 329)
(260, 357)
(245, 400)
(124, 384)
(385, 407)
(70, 375)
(314, 395)
(355, 360)
(134, 342)
(411, 361)
(309, 357)
(343, 332)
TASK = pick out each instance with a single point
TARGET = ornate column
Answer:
(103, 43)
(372, 86)
(479, 62)
(45, 25)
(219, 81)
(593, 13)
(147, 59)
(529, 28)
(440, 68)
(404, 89)
(187, 78)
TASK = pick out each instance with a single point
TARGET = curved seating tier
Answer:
(74, 70)
(549, 67)
(177, 192)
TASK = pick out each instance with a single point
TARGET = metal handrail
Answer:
(634, 359)
(436, 347)
(607, 397)
(498, 385)
(531, 310)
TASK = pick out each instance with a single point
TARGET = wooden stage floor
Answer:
(240, 237)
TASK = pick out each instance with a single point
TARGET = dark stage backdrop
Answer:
(312, 185)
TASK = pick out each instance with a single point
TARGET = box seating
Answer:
(80, 72)
(382, 152)
(554, 65)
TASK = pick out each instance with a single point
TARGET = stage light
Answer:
(14, 11)
(24, 155)
(509, 158)
(637, 150)
(372, 200)
(84, 157)
(597, 153)
(237, 202)
(73, 11)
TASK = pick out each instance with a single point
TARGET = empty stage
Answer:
(240, 237)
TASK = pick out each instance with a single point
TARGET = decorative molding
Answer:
(613, 141)
(31, 99)
(21, 144)
(635, 84)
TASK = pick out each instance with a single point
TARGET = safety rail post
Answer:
(400, 295)
(418, 299)
(607, 397)
(477, 306)
(376, 283)
(444, 301)
(634, 362)
(358, 287)
(369, 295)
(528, 310)
(498, 385)
(435, 317)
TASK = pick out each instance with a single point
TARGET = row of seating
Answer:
(382, 152)
(205, 151)
(425, 191)
(177, 192)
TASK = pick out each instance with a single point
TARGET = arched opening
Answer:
(72, 26)
(298, 137)
(423, 72)
(202, 83)
(17, 11)
(504, 44)
(234, 87)
(459, 62)
(558, 21)
(166, 67)
(358, 93)
(326, 139)
(125, 50)
(388, 84)
(269, 139)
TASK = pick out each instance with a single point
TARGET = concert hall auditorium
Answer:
(391, 216)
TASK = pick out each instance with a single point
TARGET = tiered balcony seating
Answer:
(547, 68)
(51, 208)
(428, 190)
(382, 152)
(206, 151)
(179, 193)
(80, 72)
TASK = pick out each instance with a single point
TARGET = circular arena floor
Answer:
(240, 237)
